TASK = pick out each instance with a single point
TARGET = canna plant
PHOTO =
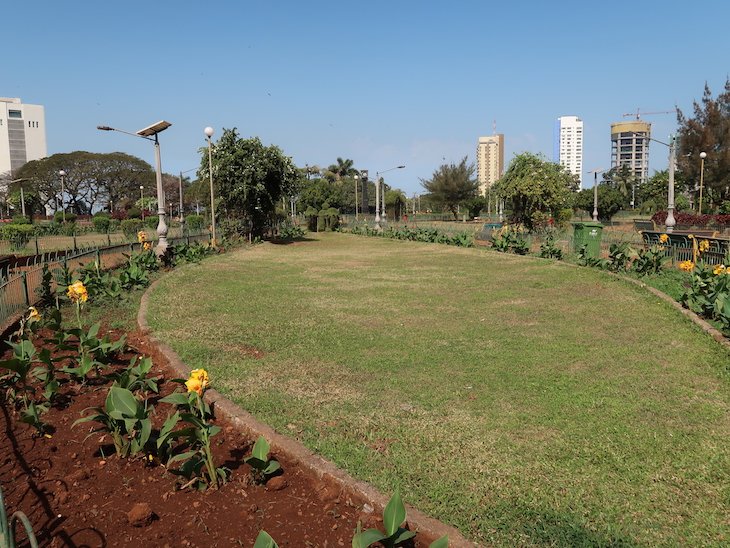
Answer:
(394, 515)
(262, 467)
(134, 378)
(649, 261)
(125, 419)
(197, 463)
(17, 384)
(264, 540)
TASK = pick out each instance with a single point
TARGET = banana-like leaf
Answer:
(394, 514)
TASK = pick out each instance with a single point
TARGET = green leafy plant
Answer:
(134, 378)
(549, 250)
(197, 463)
(100, 284)
(262, 467)
(649, 261)
(264, 540)
(619, 257)
(291, 232)
(45, 290)
(586, 260)
(708, 293)
(394, 515)
(125, 419)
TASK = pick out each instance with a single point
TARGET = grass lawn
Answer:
(524, 401)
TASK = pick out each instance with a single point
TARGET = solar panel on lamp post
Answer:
(151, 134)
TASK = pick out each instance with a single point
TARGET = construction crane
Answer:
(638, 113)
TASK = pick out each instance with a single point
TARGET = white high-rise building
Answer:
(568, 145)
(490, 161)
(22, 134)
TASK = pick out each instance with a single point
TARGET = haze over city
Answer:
(383, 83)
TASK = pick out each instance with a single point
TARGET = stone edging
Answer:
(429, 528)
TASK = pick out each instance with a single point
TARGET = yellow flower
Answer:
(664, 238)
(687, 266)
(198, 381)
(77, 292)
(719, 269)
(690, 236)
(141, 236)
(146, 246)
(704, 246)
(33, 314)
(194, 385)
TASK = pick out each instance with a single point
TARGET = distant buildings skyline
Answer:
(630, 147)
(490, 161)
(568, 145)
(22, 134)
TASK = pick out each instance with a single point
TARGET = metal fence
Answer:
(20, 284)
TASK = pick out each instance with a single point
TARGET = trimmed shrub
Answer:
(130, 227)
(311, 216)
(21, 220)
(17, 235)
(101, 222)
(134, 213)
(58, 217)
(194, 222)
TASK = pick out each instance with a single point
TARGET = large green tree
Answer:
(249, 178)
(610, 201)
(452, 184)
(92, 179)
(708, 130)
(534, 187)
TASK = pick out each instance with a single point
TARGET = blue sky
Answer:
(383, 83)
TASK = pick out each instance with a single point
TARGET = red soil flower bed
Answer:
(76, 492)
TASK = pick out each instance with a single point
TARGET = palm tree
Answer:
(343, 168)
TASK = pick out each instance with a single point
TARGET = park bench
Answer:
(644, 224)
(679, 247)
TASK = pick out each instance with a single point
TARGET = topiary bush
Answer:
(194, 222)
(134, 213)
(17, 235)
(101, 222)
(130, 227)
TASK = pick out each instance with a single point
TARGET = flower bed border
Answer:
(429, 529)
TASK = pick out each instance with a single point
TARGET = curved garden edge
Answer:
(428, 528)
(697, 320)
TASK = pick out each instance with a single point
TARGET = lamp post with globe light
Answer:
(209, 133)
(62, 175)
(703, 155)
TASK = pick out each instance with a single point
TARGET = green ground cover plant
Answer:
(525, 402)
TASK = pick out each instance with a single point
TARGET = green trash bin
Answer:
(588, 234)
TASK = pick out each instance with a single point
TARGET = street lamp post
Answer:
(671, 222)
(62, 175)
(141, 200)
(22, 196)
(151, 134)
(209, 133)
(703, 155)
(595, 192)
(377, 194)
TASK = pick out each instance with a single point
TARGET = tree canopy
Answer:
(708, 130)
(452, 184)
(249, 178)
(610, 201)
(92, 179)
(532, 185)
